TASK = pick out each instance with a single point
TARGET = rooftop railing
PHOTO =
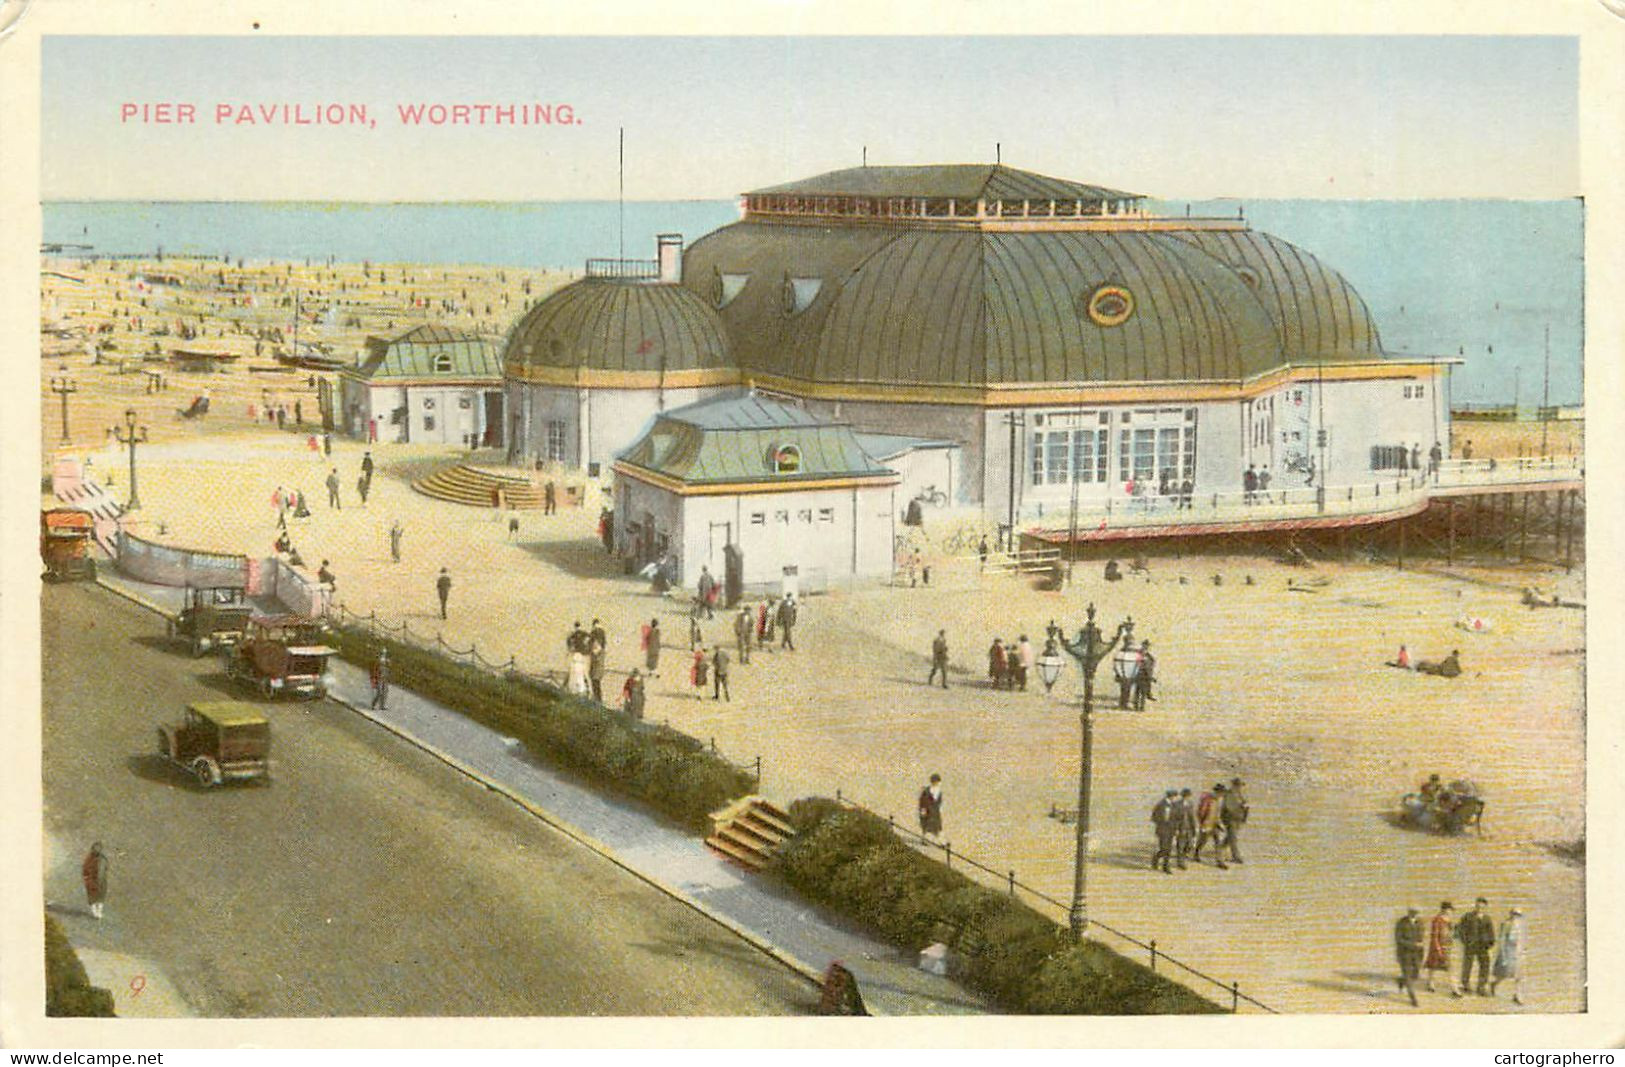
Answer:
(636, 269)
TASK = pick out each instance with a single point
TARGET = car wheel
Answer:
(207, 773)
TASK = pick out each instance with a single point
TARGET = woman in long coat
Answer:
(699, 673)
(578, 674)
(94, 873)
(997, 663)
(1509, 955)
(1440, 930)
(651, 647)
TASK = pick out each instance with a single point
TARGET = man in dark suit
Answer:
(1185, 827)
(1476, 932)
(1144, 676)
(719, 675)
(939, 659)
(1165, 820)
(1233, 812)
(1408, 949)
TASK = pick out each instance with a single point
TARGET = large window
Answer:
(555, 440)
(1065, 450)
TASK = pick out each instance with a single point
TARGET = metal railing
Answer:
(1016, 887)
(509, 670)
(602, 267)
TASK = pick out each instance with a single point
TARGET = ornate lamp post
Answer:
(1049, 665)
(64, 386)
(1090, 651)
(129, 435)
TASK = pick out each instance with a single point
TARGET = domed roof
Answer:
(613, 325)
(946, 306)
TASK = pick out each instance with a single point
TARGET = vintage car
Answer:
(213, 617)
(64, 544)
(281, 655)
(219, 741)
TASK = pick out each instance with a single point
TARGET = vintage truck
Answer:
(64, 544)
(281, 655)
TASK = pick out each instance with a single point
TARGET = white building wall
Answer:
(595, 425)
(924, 469)
(1360, 415)
(829, 535)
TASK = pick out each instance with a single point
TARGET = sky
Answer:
(707, 118)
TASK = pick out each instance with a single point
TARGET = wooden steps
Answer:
(476, 487)
(749, 832)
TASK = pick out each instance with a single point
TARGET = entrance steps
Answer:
(463, 483)
(749, 832)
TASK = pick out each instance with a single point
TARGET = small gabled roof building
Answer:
(747, 486)
(429, 383)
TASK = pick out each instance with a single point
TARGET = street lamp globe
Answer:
(1049, 666)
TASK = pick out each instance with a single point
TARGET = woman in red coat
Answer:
(1439, 933)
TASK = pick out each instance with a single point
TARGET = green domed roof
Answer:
(613, 325)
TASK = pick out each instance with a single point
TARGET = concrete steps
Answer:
(749, 832)
(476, 487)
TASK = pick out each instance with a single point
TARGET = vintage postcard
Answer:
(764, 521)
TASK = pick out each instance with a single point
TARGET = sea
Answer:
(1498, 284)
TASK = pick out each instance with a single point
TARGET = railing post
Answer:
(1012, 883)
(758, 770)
(948, 853)
(1153, 954)
(1235, 997)
(837, 794)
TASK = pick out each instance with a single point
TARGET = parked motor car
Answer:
(281, 655)
(219, 741)
(212, 617)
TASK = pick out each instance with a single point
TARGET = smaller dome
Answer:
(614, 325)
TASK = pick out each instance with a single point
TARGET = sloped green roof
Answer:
(611, 324)
(735, 438)
(960, 181)
(417, 352)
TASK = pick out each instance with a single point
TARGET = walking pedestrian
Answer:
(1408, 950)
(1249, 484)
(298, 411)
(1233, 814)
(1024, 661)
(998, 664)
(651, 648)
(1441, 930)
(1509, 955)
(597, 638)
(1165, 820)
(699, 673)
(327, 444)
(577, 682)
(787, 622)
(395, 533)
(696, 640)
(1143, 676)
(1476, 932)
(366, 466)
(743, 625)
(325, 577)
(93, 871)
(1209, 826)
(280, 502)
(771, 626)
(380, 680)
(595, 671)
(706, 590)
(1185, 828)
(632, 695)
(719, 674)
(931, 807)
(939, 659)
(442, 586)
(361, 487)
(981, 552)
(333, 489)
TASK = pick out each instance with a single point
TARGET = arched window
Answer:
(442, 363)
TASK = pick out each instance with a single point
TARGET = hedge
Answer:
(667, 770)
(67, 987)
(852, 862)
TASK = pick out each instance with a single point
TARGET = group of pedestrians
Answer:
(1009, 666)
(1255, 483)
(363, 484)
(757, 628)
(1184, 826)
(1424, 950)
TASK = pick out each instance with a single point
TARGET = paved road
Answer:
(370, 879)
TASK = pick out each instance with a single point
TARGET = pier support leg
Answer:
(1523, 529)
(1401, 544)
(1450, 520)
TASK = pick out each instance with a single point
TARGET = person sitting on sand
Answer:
(1402, 661)
(1449, 667)
(1430, 788)
(1113, 572)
